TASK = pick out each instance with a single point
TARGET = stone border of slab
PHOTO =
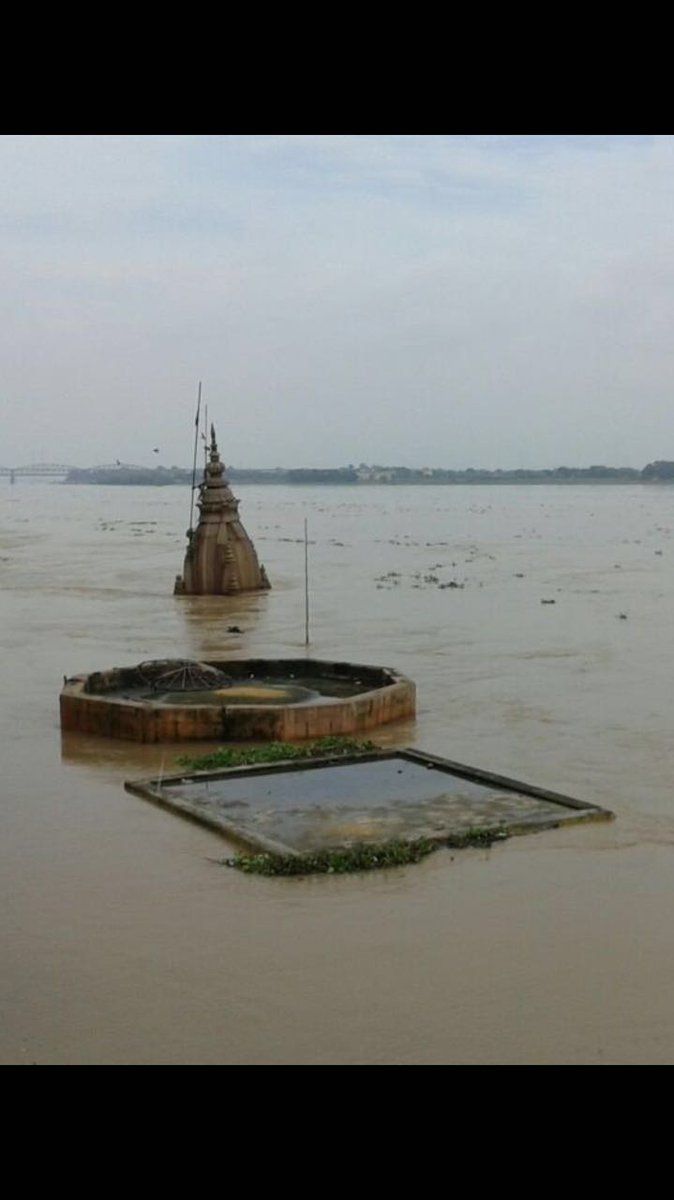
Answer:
(87, 706)
(158, 790)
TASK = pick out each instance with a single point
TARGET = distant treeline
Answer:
(158, 476)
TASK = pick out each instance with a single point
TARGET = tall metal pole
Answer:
(194, 467)
(306, 584)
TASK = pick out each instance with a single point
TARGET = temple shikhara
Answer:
(220, 558)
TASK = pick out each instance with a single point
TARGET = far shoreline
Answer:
(653, 473)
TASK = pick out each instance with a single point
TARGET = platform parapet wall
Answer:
(93, 704)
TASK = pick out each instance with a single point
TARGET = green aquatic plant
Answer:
(333, 862)
(360, 857)
(327, 747)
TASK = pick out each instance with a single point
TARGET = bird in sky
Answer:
(156, 450)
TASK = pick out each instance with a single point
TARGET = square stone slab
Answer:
(330, 804)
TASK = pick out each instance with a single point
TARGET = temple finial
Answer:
(214, 445)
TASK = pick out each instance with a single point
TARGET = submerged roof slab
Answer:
(384, 796)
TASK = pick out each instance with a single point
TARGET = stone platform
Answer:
(260, 699)
(375, 798)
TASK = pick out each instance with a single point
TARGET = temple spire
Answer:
(220, 556)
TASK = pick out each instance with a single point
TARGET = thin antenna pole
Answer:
(194, 468)
(306, 584)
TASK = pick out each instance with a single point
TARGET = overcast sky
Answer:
(427, 300)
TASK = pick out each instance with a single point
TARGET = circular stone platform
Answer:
(175, 700)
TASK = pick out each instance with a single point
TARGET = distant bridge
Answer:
(35, 469)
(55, 470)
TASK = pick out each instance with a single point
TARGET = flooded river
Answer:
(123, 939)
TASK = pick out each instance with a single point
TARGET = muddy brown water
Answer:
(123, 939)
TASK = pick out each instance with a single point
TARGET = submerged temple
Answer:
(220, 556)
